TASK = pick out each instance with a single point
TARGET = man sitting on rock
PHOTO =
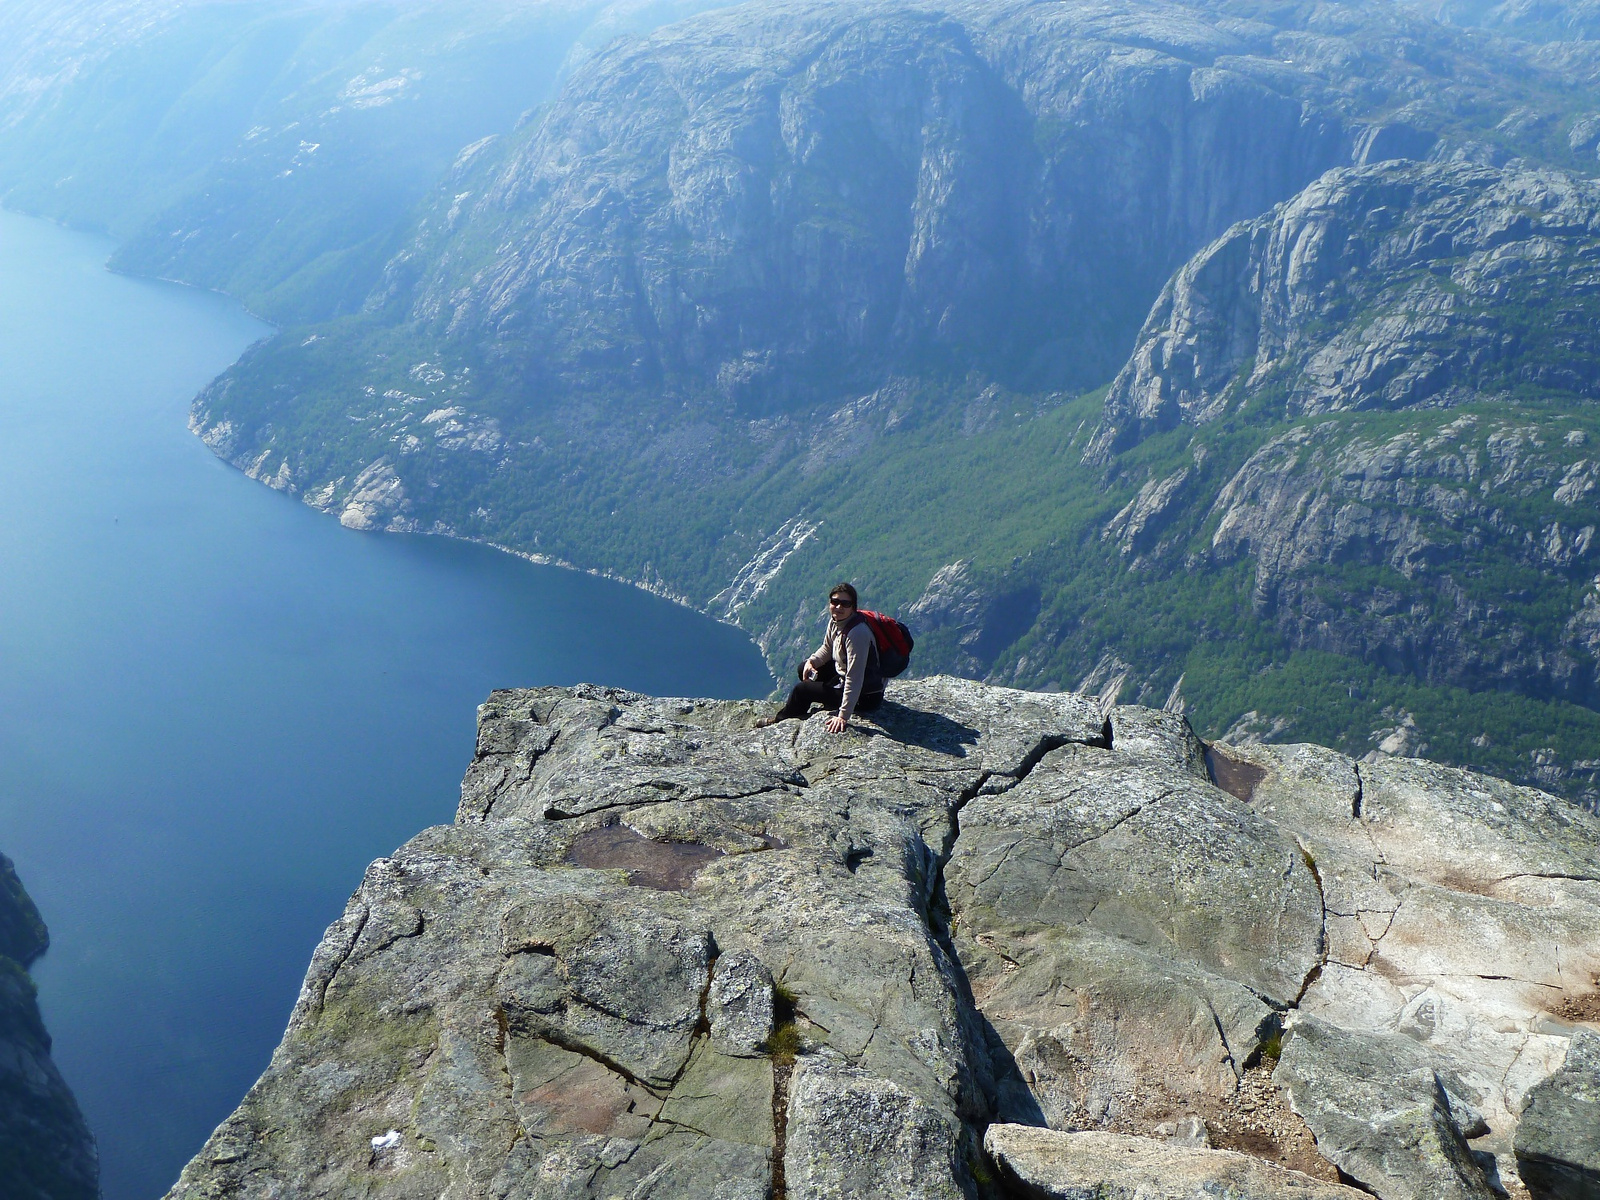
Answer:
(843, 673)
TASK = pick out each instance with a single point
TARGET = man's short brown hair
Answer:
(845, 589)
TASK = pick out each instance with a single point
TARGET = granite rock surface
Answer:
(662, 952)
(1044, 1164)
(1558, 1136)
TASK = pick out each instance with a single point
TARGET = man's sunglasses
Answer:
(839, 602)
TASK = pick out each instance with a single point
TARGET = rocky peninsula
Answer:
(988, 943)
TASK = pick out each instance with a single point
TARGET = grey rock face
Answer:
(1114, 888)
(1381, 1112)
(1313, 497)
(377, 500)
(1421, 253)
(739, 1005)
(982, 618)
(46, 1149)
(975, 907)
(712, 142)
(570, 990)
(1138, 523)
(1159, 736)
(1558, 1138)
(23, 936)
(1401, 287)
(1190, 1132)
(1446, 895)
(857, 1137)
(625, 984)
(1108, 1166)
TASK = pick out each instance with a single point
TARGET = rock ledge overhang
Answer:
(661, 952)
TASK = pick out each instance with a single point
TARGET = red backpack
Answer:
(894, 641)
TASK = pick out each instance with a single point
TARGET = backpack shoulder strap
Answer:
(861, 618)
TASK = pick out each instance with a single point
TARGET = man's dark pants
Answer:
(827, 689)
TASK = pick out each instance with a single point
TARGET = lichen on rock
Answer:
(787, 962)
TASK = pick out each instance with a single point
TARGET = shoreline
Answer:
(543, 560)
(659, 590)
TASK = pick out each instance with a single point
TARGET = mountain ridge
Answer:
(761, 296)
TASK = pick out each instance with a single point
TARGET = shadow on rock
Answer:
(928, 730)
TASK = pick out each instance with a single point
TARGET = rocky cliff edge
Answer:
(46, 1149)
(987, 943)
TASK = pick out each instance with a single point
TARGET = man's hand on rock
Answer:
(837, 724)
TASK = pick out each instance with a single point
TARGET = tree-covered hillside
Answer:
(1235, 355)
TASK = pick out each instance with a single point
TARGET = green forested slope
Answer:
(790, 292)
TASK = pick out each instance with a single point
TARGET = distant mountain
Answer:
(273, 149)
(1410, 353)
(750, 298)
(1464, 298)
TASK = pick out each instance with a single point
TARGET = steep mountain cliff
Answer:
(1393, 288)
(1412, 353)
(754, 213)
(46, 1150)
(780, 293)
(987, 943)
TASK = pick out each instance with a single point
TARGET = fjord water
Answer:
(216, 705)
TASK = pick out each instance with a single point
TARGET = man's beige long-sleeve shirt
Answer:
(851, 655)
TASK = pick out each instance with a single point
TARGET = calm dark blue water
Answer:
(216, 706)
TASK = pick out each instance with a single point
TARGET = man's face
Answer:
(840, 607)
